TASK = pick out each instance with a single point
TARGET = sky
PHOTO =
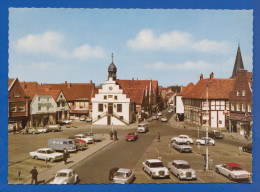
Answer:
(54, 45)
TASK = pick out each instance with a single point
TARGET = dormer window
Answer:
(16, 94)
(243, 93)
(238, 93)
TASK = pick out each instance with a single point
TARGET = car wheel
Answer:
(51, 160)
(53, 130)
(217, 171)
(152, 175)
(230, 177)
(76, 179)
(188, 142)
(36, 157)
(197, 143)
(178, 176)
(33, 132)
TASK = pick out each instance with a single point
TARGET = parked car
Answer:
(159, 113)
(89, 140)
(66, 121)
(216, 134)
(155, 168)
(183, 139)
(88, 119)
(46, 154)
(92, 135)
(182, 170)
(131, 136)
(65, 176)
(52, 128)
(164, 119)
(233, 171)
(203, 140)
(154, 117)
(181, 146)
(61, 144)
(170, 111)
(247, 148)
(80, 144)
(142, 128)
(29, 130)
(42, 130)
(82, 118)
(123, 176)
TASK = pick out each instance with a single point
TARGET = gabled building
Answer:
(18, 104)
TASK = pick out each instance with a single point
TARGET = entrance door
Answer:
(110, 108)
(108, 120)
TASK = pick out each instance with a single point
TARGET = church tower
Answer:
(238, 63)
(112, 70)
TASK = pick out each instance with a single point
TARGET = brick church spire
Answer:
(238, 63)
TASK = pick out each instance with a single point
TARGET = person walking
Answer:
(115, 135)
(34, 173)
(14, 129)
(158, 137)
(65, 156)
(111, 135)
(112, 172)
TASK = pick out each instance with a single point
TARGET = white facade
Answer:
(111, 106)
(179, 105)
(43, 104)
(62, 107)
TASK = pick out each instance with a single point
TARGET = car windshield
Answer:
(183, 166)
(61, 174)
(131, 133)
(157, 164)
(119, 174)
(236, 168)
(50, 151)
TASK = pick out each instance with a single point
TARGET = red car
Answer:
(131, 136)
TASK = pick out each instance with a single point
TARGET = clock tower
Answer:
(112, 70)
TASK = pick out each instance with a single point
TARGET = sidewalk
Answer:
(47, 175)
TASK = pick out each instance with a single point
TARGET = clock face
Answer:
(110, 88)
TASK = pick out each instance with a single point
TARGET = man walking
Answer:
(158, 137)
(111, 135)
(115, 135)
(65, 156)
(14, 129)
(34, 173)
(112, 172)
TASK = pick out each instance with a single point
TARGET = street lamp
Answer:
(207, 127)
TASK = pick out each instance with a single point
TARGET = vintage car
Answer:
(181, 169)
(29, 130)
(89, 140)
(65, 176)
(183, 139)
(164, 119)
(131, 136)
(95, 137)
(233, 171)
(42, 130)
(52, 128)
(203, 140)
(82, 118)
(88, 119)
(247, 148)
(170, 111)
(46, 154)
(142, 128)
(181, 146)
(154, 117)
(66, 121)
(216, 134)
(159, 113)
(81, 144)
(155, 168)
(123, 176)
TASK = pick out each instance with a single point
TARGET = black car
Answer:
(247, 148)
(216, 134)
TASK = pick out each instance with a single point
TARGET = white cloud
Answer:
(175, 41)
(85, 52)
(53, 43)
(42, 66)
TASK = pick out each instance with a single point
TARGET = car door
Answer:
(147, 166)
(174, 168)
(224, 170)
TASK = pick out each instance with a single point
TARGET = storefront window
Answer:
(232, 107)
(238, 107)
(243, 107)
(12, 107)
(249, 108)
(21, 107)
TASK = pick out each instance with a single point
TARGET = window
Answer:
(227, 105)
(12, 107)
(232, 107)
(243, 93)
(110, 96)
(39, 99)
(61, 96)
(100, 107)
(243, 107)
(238, 107)
(249, 108)
(238, 93)
(119, 107)
(115, 97)
(63, 104)
(21, 107)
(58, 104)
(105, 97)
(16, 94)
(39, 108)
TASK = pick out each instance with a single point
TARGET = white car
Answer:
(46, 154)
(65, 176)
(183, 139)
(88, 119)
(154, 117)
(182, 147)
(82, 118)
(233, 171)
(181, 169)
(89, 140)
(42, 130)
(159, 113)
(123, 176)
(170, 111)
(66, 121)
(155, 168)
(202, 141)
(164, 119)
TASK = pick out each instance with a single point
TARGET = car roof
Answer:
(132, 132)
(123, 170)
(232, 164)
(154, 160)
(80, 135)
(180, 162)
(142, 124)
(65, 170)
(45, 149)
(61, 139)
(184, 135)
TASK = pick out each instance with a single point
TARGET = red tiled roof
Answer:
(33, 88)
(186, 90)
(170, 94)
(54, 93)
(10, 82)
(217, 89)
(73, 91)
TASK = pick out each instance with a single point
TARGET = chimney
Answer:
(90, 81)
(201, 76)
(65, 82)
(133, 78)
(69, 85)
(211, 76)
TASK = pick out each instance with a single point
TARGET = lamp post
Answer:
(207, 127)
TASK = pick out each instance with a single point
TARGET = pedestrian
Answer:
(112, 172)
(115, 135)
(14, 129)
(158, 137)
(34, 173)
(26, 131)
(111, 135)
(65, 156)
